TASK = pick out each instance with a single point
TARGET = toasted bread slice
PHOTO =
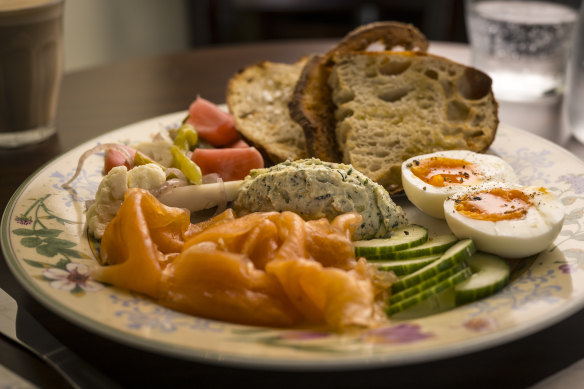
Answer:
(391, 106)
(258, 98)
(311, 105)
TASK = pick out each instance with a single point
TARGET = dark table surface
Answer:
(100, 99)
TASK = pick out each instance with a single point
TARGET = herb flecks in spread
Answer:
(315, 189)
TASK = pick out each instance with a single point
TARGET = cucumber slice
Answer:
(459, 252)
(413, 290)
(449, 282)
(441, 302)
(402, 238)
(490, 275)
(435, 245)
(406, 266)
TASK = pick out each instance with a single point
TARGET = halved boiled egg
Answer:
(428, 179)
(506, 219)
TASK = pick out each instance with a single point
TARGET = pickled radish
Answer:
(115, 158)
(212, 123)
(229, 163)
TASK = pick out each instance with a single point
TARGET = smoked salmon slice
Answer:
(139, 242)
(222, 285)
(264, 268)
(327, 295)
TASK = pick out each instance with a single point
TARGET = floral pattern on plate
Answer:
(45, 241)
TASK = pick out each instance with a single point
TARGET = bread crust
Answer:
(311, 105)
(390, 34)
(312, 108)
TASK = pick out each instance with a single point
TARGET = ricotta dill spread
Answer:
(315, 189)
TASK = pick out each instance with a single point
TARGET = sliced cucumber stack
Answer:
(413, 290)
(490, 275)
(456, 254)
(441, 302)
(401, 239)
(406, 266)
(435, 245)
(441, 286)
(431, 268)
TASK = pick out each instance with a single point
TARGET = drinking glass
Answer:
(573, 107)
(524, 45)
(31, 63)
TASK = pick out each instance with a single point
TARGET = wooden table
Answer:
(100, 99)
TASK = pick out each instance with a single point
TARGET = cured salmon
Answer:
(265, 268)
(139, 242)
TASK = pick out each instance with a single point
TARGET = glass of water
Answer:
(573, 107)
(524, 45)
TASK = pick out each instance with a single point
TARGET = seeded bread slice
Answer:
(258, 97)
(390, 106)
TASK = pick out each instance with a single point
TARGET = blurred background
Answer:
(101, 31)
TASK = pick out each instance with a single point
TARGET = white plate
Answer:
(46, 245)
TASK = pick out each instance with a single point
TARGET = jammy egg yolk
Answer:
(441, 171)
(494, 205)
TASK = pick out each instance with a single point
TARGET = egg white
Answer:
(430, 199)
(517, 238)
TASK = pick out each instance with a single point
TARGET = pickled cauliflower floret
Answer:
(158, 151)
(149, 177)
(113, 187)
